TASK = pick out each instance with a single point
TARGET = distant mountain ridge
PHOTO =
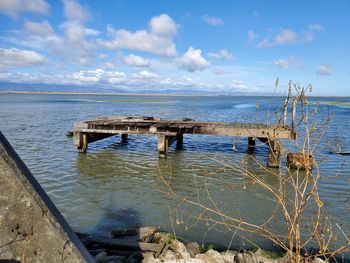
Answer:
(32, 87)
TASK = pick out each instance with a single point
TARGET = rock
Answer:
(168, 255)
(191, 260)
(246, 258)
(149, 258)
(215, 255)
(299, 161)
(228, 256)
(205, 258)
(263, 256)
(101, 257)
(180, 249)
(193, 249)
(115, 259)
(258, 257)
(163, 237)
(146, 233)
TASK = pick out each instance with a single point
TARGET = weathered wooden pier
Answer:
(169, 131)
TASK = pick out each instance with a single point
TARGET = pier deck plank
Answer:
(117, 125)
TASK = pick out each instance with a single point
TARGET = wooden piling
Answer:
(179, 141)
(274, 157)
(164, 141)
(251, 143)
(82, 142)
(124, 137)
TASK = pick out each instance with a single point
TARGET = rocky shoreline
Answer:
(148, 245)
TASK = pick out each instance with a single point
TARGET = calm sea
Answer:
(117, 184)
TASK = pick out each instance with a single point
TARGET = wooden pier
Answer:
(169, 131)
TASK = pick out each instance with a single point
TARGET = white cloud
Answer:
(109, 65)
(289, 62)
(102, 56)
(42, 29)
(212, 20)
(135, 61)
(13, 7)
(251, 36)
(14, 57)
(192, 60)
(144, 74)
(163, 25)
(284, 36)
(288, 36)
(157, 39)
(316, 27)
(324, 70)
(221, 54)
(86, 77)
(76, 39)
(90, 32)
(75, 32)
(143, 80)
(221, 71)
(76, 45)
(238, 85)
(74, 11)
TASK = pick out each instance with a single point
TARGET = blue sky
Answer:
(215, 46)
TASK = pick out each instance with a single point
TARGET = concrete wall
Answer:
(31, 227)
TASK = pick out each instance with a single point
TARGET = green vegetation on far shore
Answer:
(335, 103)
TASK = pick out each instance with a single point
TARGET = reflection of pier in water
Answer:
(169, 131)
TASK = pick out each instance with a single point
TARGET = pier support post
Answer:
(82, 139)
(81, 142)
(164, 141)
(179, 141)
(124, 137)
(251, 143)
(274, 158)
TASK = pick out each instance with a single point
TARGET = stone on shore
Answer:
(101, 257)
(149, 258)
(206, 258)
(228, 256)
(168, 255)
(180, 249)
(191, 260)
(193, 249)
(215, 255)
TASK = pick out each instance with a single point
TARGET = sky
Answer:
(201, 45)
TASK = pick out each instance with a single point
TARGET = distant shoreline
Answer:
(143, 94)
(90, 93)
